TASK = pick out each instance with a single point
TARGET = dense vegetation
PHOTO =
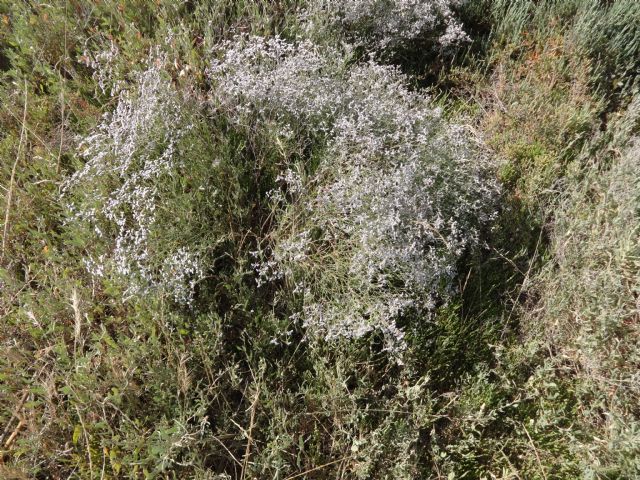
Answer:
(351, 239)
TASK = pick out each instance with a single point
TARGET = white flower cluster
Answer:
(376, 229)
(105, 68)
(276, 79)
(132, 150)
(389, 24)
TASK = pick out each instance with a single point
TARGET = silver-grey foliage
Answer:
(376, 228)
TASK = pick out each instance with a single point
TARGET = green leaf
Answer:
(115, 464)
(77, 431)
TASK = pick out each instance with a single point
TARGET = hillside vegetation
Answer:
(313, 239)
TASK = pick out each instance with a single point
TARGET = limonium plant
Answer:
(373, 230)
(133, 151)
(364, 231)
(388, 25)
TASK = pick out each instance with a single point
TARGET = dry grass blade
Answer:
(7, 214)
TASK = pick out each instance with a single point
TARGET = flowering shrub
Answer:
(389, 24)
(367, 229)
(134, 159)
(296, 85)
(376, 227)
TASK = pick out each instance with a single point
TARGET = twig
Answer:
(514, 470)
(62, 80)
(247, 452)
(86, 441)
(13, 175)
(33, 133)
(233, 457)
(319, 467)
(13, 436)
(77, 330)
(15, 415)
(504, 257)
(535, 450)
(464, 287)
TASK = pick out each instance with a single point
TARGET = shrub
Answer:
(384, 25)
(374, 225)
(148, 157)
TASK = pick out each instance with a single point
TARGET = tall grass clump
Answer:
(606, 33)
(557, 397)
(589, 306)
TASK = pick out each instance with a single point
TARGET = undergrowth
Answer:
(306, 239)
